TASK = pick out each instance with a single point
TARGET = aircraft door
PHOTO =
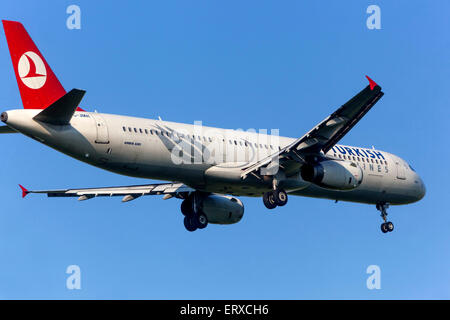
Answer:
(102, 129)
(400, 171)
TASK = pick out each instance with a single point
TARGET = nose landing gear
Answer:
(386, 226)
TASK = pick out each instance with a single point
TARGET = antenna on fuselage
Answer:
(159, 118)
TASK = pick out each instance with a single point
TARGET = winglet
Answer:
(372, 83)
(24, 191)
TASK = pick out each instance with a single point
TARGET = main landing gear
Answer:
(194, 218)
(386, 226)
(275, 198)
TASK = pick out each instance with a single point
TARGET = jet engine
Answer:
(333, 174)
(217, 208)
(222, 209)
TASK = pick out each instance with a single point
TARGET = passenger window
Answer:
(135, 130)
(146, 132)
(129, 129)
(140, 130)
(124, 129)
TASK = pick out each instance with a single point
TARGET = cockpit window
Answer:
(411, 168)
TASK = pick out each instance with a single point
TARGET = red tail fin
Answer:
(38, 85)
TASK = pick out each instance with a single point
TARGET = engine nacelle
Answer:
(222, 209)
(332, 174)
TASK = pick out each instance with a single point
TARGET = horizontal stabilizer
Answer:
(61, 111)
(6, 129)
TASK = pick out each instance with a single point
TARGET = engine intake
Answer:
(4, 117)
(332, 174)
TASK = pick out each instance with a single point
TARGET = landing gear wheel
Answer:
(280, 197)
(389, 226)
(202, 221)
(189, 224)
(269, 201)
(384, 228)
(186, 207)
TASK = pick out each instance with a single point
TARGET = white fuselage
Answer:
(209, 159)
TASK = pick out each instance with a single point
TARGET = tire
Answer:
(186, 208)
(189, 224)
(280, 197)
(202, 221)
(269, 200)
(384, 228)
(389, 226)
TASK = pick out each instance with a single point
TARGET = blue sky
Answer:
(232, 64)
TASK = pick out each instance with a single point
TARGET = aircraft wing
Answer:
(6, 129)
(127, 192)
(324, 135)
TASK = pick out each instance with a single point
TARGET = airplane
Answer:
(206, 168)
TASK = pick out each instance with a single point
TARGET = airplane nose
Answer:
(421, 189)
(4, 116)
